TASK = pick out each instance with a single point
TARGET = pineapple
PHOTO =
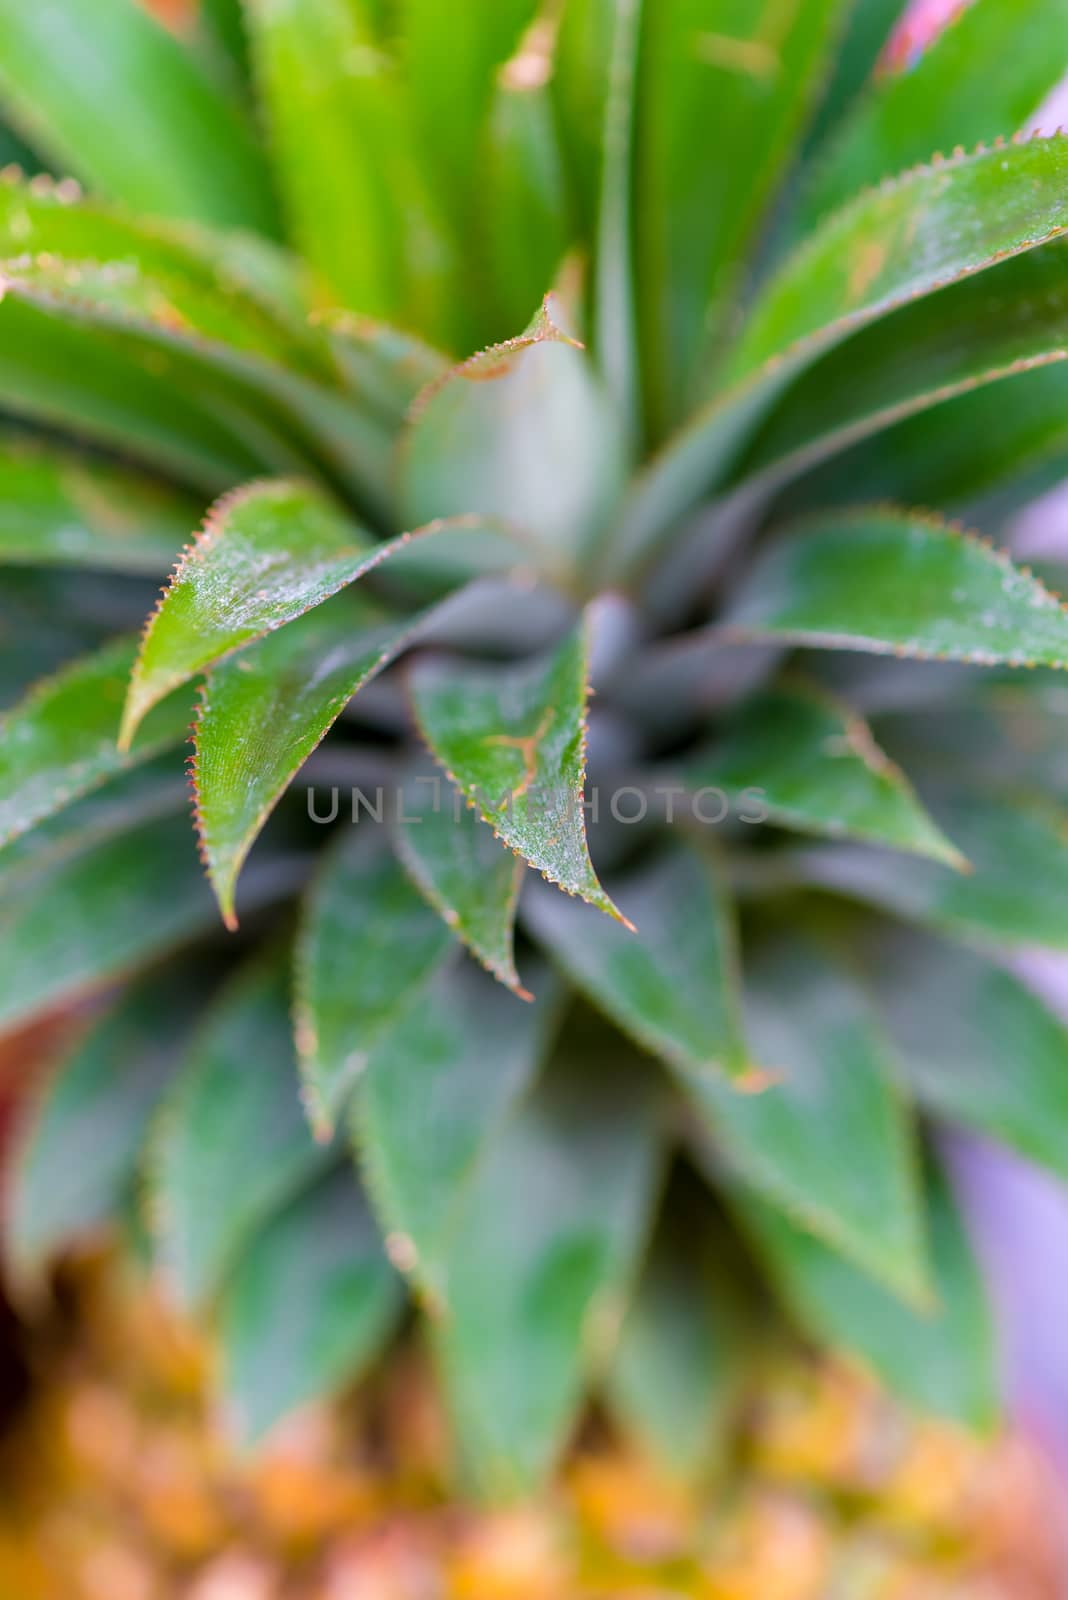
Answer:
(618, 793)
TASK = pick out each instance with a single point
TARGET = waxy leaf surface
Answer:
(462, 869)
(513, 739)
(901, 583)
(810, 763)
(912, 236)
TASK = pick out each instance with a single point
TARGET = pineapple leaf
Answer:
(674, 987)
(367, 944)
(75, 1164)
(974, 1045)
(522, 431)
(437, 1088)
(525, 184)
(105, 387)
(924, 460)
(58, 508)
(614, 318)
(80, 922)
(298, 424)
(513, 740)
(544, 1245)
(1001, 324)
(902, 583)
(912, 236)
(345, 161)
(231, 1144)
(263, 712)
(675, 1376)
(58, 743)
(726, 85)
(941, 1359)
(813, 765)
(172, 143)
(147, 790)
(827, 1139)
(267, 554)
(868, 28)
(309, 1306)
(462, 871)
(1015, 893)
(385, 366)
(904, 115)
(452, 63)
(238, 290)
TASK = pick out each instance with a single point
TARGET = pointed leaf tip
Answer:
(514, 742)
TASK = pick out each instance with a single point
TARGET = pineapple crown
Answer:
(796, 843)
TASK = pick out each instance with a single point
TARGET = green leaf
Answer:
(524, 432)
(675, 1376)
(1009, 321)
(904, 240)
(868, 27)
(525, 204)
(267, 554)
(725, 87)
(229, 365)
(902, 583)
(921, 464)
(387, 367)
(545, 1243)
(451, 59)
(151, 789)
(308, 1308)
(68, 510)
(232, 1144)
(933, 105)
(367, 944)
(357, 199)
(437, 1088)
(59, 742)
(122, 390)
(1015, 893)
(236, 289)
(673, 985)
(513, 740)
(811, 764)
(171, 142)
(73, 1168)
(614, 289)
(974, 1045)
(263, 712)
(941, 1359)
(827, 1139)
(462, 871)
(579, 84)
(112, 909)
